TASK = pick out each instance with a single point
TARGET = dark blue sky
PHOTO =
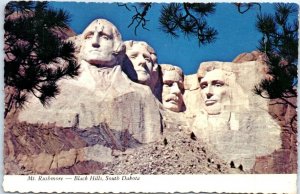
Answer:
(236, 32)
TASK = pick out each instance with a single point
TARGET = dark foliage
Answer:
(175, 18)
(139, 18)
(189, 19)
(280, 44)
(35, 56)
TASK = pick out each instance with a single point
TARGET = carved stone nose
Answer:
(175, 89)
(209, 95)
(95, 41)
(142, 63)
(96, 44)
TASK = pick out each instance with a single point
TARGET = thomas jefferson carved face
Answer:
(143, 59)
(101, 43)
(214, 91)
(172, 88)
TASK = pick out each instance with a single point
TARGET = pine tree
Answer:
(35, 56)
(280, 44)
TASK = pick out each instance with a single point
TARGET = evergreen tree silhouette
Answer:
(280, 44)
(35, 56)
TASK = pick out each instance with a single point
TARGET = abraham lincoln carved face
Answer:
(214, 91)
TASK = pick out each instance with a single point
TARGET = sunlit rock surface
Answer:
(104, 123)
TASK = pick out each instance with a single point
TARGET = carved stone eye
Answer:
(105, 37)
(168, 84)
(203, 85)
(218, 83)
(133, 56)
(89, 35)
(148, 59)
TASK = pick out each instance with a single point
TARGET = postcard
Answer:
(150, 97)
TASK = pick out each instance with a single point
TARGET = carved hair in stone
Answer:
(215, 88)
(102, 44)
(172, 89)
(141, 63)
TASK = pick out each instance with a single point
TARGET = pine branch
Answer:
(244, 7)
(189, 19)
(140, 16)
(123, 5)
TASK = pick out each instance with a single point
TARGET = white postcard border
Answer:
(273, 183)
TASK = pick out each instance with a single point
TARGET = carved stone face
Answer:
(214, 91)
(142, 62)
(172, 91)
(98, 44)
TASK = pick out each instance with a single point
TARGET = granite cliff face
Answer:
(284, 159)
(104, 123)
(244, 129)
(175, 153)
(128, 108)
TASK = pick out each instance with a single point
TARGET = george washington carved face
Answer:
(101, 43)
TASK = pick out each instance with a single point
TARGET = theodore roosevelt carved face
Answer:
(214, 90)
(101, 44)
(172, 90)
(143, 59)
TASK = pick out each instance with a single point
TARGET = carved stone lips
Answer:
(173, 100)
(141, 70)
(95, 51)
(210, 102)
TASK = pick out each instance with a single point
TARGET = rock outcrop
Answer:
(64, 152)
(284, 159)
(244, 129)
(78, 143)
(253, 56)
(177, 152)
(104, 123)
(101, 106)
(123, 105)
